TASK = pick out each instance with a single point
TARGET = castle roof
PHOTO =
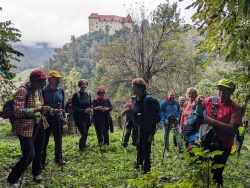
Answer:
(111, 18)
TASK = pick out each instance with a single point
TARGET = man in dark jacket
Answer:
(54, 97)
(144, 116)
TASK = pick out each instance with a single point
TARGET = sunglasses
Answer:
(100, 93)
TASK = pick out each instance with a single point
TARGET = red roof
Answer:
(111, 18)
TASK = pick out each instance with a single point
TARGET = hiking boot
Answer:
(8, 184)
(60, 161)
(125, 145)
(37, 178)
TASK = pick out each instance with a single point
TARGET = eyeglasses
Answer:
(100, 93)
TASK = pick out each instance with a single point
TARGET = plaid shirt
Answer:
(24, 126)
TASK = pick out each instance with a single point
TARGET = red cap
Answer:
(38, 75)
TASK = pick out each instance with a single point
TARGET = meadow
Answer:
(114, 166)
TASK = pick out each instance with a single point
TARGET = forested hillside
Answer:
(160, 49)
(34, 56)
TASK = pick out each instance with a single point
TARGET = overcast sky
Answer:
(54, 21)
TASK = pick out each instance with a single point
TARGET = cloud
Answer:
(54, 21)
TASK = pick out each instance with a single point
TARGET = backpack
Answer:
(156, 105)
(68, 106)
(8, 111)
(207, 134)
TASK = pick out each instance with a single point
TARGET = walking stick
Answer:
(123, 135)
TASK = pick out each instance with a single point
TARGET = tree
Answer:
(71, 81)
(8, 34)
(140, 53)
(226, 24)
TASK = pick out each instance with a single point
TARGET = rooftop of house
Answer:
(111, 18)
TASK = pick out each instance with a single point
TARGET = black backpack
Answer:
(207, 134)
(156, 106)
(8, 111)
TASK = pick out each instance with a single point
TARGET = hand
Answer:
(58, 111)
(208, 120)
(127, 109)
(105, 109)
(198, 101)
(42, 109)
(150, 138)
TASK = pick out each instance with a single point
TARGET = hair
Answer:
(181, 97)
(81, 81)
(100, 89)
(140, 83)
(192, 89)
(171, 91)
(201, 96)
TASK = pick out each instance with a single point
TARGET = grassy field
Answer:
(23, 75)
(114, 167)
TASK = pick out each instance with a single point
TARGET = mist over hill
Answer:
(35, 55)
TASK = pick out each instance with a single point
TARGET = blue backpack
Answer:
(156, 106)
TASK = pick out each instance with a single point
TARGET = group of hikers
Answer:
(39, 111)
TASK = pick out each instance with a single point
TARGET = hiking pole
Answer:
(60, 133)
(123, 135)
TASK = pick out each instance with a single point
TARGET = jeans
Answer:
(166, 130)
(56, 127)
(32, 150)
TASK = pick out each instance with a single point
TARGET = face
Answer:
(40, 83)
(136, 91)
(191, 95)
(224, 93)
(101, 94)
(83, 85)
(54, 81)
(181, 101)
(171, 96)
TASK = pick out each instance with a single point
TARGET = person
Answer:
(82, 109)
(144, 117)
(101, 117)
(240, 136)
(129, 124)
(191, 94)
(54, 97)
(191, 129)
(225, 123)
(238, 139)
(181, 101)
(29, 126)
(170, 115)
